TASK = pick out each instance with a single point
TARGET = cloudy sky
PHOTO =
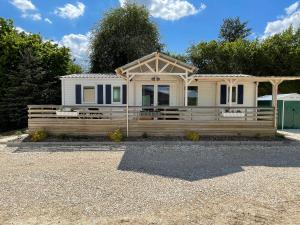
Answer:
(181, 22)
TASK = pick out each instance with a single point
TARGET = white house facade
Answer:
(158, 80)
(160, 96)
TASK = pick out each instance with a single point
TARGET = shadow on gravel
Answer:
(193, 163)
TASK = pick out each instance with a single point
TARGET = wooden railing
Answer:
(152, 113)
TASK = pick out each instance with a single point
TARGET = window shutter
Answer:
(240, 94)
(78, 93)
(124, 94)
(108, 94)
(223, 94)
(100, 94)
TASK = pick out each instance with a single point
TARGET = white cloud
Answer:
(23, 5)
(292, 8)
(70, 11)
(169, 9)
(79, 45)
(20, 30)
(28, 9)
(292, 18)
(48, 20)
(33, 16)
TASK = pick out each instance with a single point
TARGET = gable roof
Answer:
(151, 57)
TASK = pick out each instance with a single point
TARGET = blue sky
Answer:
(181, 22)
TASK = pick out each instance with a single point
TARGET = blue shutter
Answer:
(108, 94)
(124, 94)
(223, 94)
(78, 93)
(240, 94)
(100, 94)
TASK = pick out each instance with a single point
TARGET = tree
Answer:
(29, 73)
(123, 35)
(278, 55)
(74, 68)
(233, 29)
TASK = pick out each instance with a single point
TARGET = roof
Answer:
(154, 55)
(92, 75)
(222, 75)
(285, 97)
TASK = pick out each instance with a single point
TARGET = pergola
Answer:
(157, 64)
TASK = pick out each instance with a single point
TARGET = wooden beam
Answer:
(165, 66)
(150, 68)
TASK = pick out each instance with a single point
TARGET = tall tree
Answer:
(233, 29)
(29, 73)
(123, 35)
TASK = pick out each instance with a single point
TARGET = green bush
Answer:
(145, 135)
(38, 135)
(192, 136)
(116, 135)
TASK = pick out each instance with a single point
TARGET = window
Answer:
(192, 95)
(116, 94)
(163, 95)
(233, 94)
(148, 95)
(89, 94)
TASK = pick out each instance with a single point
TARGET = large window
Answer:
(163, 95)
(192, 95)
(116, 94)
(148, 95)
(89, 94)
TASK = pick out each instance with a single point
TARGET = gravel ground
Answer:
(151, 184)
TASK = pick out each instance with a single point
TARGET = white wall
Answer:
(208, 92)
(68, 88)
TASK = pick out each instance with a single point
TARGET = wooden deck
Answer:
(155, 121)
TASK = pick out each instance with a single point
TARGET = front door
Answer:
(156, 95)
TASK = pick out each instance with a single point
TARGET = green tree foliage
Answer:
(29, 73)
(278, 55)
(123, 35)
(74, 68)
(233, 29)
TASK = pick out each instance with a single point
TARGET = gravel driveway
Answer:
(151, 184)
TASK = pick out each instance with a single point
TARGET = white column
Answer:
(185, 92)
(274, 101)
(256, 93)
(230, 94)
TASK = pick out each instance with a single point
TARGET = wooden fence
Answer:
(156, 121)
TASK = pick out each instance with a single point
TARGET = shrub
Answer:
(38, 135)
(144, 135)
(116, 135)
(192, 136)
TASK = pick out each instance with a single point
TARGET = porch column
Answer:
(185, 93)
(275, 84)
(230, 94)
(256, 93)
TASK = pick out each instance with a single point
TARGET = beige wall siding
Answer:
(68, 92)
(208, 92)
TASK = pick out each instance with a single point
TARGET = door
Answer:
(163, 95)
(155, 95)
